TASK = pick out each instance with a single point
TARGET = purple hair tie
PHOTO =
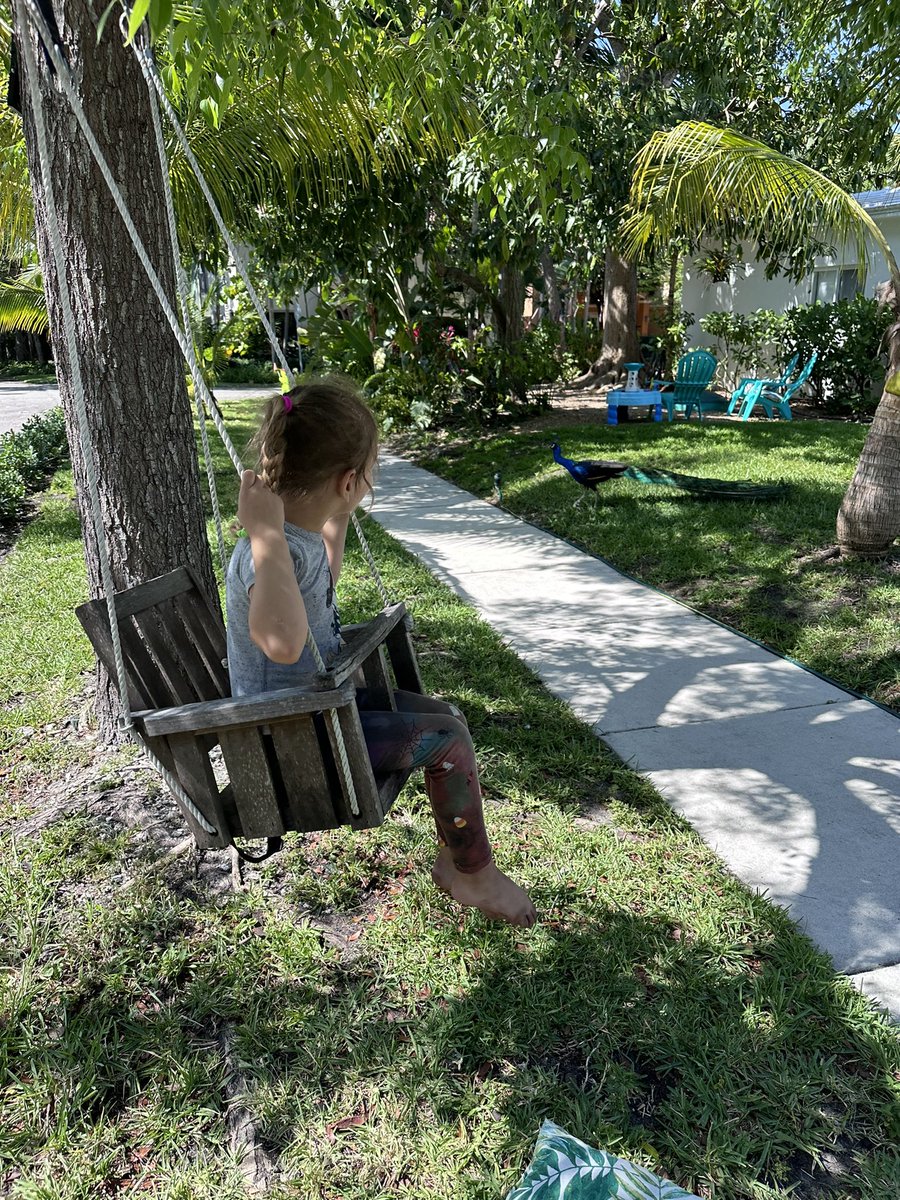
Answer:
(288, 402)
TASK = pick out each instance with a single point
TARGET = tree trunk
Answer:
(512, 298)
(138, 410)
(620, 339)
(868, 522)
(551, 287)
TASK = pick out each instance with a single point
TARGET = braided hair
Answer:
(325, 429)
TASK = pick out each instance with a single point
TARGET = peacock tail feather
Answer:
(722, 489)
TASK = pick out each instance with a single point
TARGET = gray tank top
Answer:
(250, 670)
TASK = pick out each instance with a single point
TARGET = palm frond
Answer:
(330, 123)
(16, 215)
(699, 181)
(22, 303)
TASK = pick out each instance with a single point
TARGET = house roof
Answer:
(880, 200)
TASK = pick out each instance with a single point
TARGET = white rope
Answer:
(181, 287)
(125, 721)
(370, 559)
(152, 76)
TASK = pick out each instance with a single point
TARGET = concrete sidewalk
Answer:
(795, 783)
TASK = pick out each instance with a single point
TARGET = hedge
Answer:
(27, 457)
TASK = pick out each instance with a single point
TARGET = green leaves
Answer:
(565, 1168)
(700, 181)
(22, 303)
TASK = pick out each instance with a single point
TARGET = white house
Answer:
(835, 278)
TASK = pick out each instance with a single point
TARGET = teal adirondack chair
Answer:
(692, 377)
(776, 399)
(776, 384)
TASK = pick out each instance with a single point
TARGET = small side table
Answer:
(619, 398)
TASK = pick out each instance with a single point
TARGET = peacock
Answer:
(591, 472)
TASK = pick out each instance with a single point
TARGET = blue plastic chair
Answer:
(692, 377)
(774, 399)
(776, 384)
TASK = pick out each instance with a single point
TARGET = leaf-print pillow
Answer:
(565, 1168)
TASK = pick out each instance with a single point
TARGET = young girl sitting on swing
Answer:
(317, 449)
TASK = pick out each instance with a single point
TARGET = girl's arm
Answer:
(278, 620)
(334, 533)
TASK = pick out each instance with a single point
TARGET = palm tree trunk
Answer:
(868, 522)
(138, 410)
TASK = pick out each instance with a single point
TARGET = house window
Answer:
(837, 283)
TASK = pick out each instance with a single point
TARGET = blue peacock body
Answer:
(591, 472)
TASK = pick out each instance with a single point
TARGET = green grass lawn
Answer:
(393, 1047)
(754, 566)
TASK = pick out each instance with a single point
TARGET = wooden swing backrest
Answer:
(173, 641)
(280, 749)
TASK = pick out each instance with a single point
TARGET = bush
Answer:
(852, 362)
(848, 336)
(27, 457)
(236, 372)
(401, 397)
(753, 342)
(47, 436)
(12, 490)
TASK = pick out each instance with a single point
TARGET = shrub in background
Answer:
(848, 335)
(27, 457)
(753, 343)
(852, 362)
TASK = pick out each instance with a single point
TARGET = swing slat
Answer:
(354, 654)
(195, 774)
(260, 709)
(152, 679)
(378, 683)
(307, 790)
(147, 595)
(403, 659)
(155, 627)
(194, 610)
(203, 685)
(95, 623)
(253, 781)
(371, 812)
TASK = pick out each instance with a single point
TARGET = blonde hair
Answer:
(325, 429)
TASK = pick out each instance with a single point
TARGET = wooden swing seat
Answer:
(278, 748)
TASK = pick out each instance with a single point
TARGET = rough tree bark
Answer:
(512, 298)
(551, 287)
(620, 338)
(868, 522)
(139, 412)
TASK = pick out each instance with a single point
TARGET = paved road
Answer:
(19, 401)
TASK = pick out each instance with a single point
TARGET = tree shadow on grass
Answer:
(734, 1073)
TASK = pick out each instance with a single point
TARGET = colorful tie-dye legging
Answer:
(429, 733)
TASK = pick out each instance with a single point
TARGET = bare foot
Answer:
(488, 890)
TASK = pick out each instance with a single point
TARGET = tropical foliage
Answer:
(22, 302)
(716, 184)
(565, 1167)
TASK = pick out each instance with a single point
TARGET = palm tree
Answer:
(701, 182)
